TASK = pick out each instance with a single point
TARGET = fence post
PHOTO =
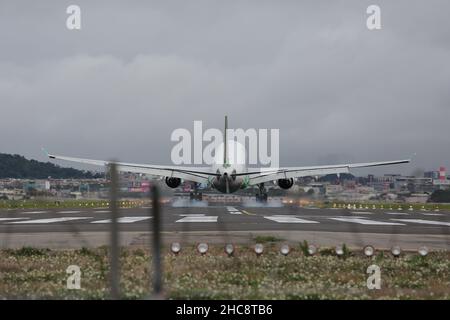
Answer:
(157, 268)
(114, 246)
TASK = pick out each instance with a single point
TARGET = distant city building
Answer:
(431, 174)
(442, 173)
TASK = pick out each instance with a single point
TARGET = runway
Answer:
(285, 222)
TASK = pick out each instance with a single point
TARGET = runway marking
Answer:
(233, 210)
(362, 212)
(68, 211)
(11, 219)
(398, 213)
(34, 212)
(198, 218)
(440, 223)
(50, 220)
(432, 214)
(288, 219)
(123, 220)
(367, 221)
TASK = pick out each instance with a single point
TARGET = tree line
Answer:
(18, 167)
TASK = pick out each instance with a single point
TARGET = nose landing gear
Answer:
(195, 194)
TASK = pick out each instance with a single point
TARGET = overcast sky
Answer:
(137, 70)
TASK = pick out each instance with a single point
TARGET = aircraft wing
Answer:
(195, 174)
(297, 172)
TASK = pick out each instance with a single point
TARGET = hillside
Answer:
(16, 166)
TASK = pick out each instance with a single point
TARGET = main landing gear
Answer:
(261, 196)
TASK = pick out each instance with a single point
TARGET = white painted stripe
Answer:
(50, 220)
(288, 219)
(35, 212)
(69, 211)
(102, 211)
(123, 220)
(192, 215)
(432, 214)
(438, 223)
(12, 219)
(233, 210)
(198, 219)
(398, 213)
(362, 212)
(367, 221)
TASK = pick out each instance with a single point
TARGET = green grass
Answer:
(266, 239)
(31, 273)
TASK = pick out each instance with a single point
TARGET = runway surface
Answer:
(232, 218)
(283, 222)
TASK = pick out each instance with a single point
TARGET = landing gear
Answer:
(261, 196)
(195, 194)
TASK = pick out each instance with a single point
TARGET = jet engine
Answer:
(173, 182)
(285, 183)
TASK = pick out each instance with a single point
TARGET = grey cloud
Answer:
(138, 70)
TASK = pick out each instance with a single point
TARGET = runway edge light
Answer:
(339, 250)
(175, 247)
(202, 248)
(369, 251)
(229, 249)
(423, 251)
(259, 248)
(396, 251)
(284, 250)
(312, 249)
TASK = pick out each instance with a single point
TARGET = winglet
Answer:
(47, 154)
(44, 151)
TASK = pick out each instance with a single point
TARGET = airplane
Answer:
(229, 176)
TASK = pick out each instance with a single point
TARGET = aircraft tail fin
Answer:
(225, 143)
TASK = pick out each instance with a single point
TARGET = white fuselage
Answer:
(235, 163)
